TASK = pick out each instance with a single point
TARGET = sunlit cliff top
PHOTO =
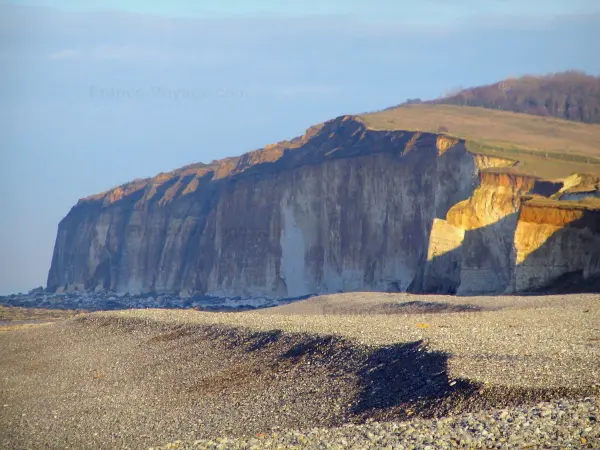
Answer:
(541, 147)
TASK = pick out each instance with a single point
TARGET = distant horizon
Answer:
(207, 86)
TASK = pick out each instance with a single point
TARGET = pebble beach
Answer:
(361, 370)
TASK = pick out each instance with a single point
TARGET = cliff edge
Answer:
(345, 207)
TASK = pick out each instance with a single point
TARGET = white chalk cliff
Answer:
(342, 208)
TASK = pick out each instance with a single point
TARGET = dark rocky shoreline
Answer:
(95, 301)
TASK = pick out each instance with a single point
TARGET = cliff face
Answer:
(486, 223)
(554, 242)
(341, 208)
(500, 240)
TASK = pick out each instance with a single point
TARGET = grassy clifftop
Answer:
(545, 147)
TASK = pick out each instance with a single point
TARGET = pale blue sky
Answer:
(91, 98)
(435, 10)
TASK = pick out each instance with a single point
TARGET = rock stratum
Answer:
(342, 208)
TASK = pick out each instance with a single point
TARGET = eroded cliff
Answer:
(343, 207)
(557, 241)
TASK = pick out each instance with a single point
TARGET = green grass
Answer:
(549, 165)
(544, 146)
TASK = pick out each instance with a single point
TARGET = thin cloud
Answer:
(64, 54)
(123, 52)
(142, 53)
(499, 21)
(149, 53)
(305, 89)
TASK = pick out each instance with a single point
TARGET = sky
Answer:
(94, 94)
